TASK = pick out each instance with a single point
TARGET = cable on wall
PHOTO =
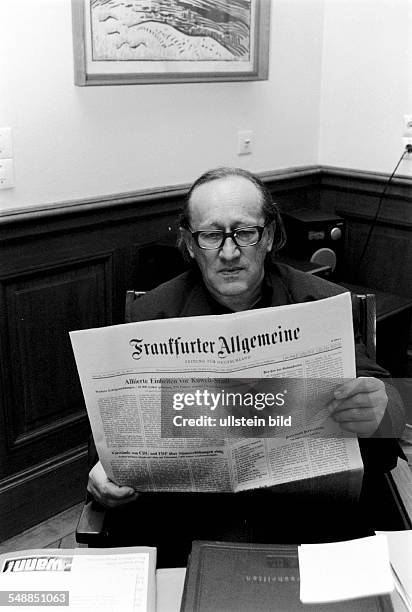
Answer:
(407, 151)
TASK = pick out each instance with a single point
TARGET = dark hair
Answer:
(269, 208)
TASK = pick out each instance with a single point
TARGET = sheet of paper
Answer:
(93, 582)
(344, 570)
(400, 554)
(169, 588)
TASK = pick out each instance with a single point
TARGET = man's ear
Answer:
(270, 236)
(188, 240)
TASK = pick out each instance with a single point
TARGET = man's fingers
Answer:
(363, 384)
(360, 428)
(110, 489)
(355, 414)
(360, 400)
(109, 502)
(359, 405)
(114, 496)
(107, 492)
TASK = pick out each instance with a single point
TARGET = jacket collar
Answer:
(199, 301)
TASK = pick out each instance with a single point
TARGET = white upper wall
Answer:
(73, 142)
(366, 83)
(339, 84)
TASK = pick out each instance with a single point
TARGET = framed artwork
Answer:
(121, 42)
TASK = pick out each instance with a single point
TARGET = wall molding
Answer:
(119, 200)
(155, 201)
(367, 183)
(356, 195)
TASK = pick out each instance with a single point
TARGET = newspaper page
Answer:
(123, 370)
(83, 580)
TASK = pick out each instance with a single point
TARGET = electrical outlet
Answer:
(407, 126)
(406, 141)
(6, 173)
(6, 143)
(244, 145)
(407, 135)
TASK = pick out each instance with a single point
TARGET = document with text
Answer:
(129, 372)
(81, 579)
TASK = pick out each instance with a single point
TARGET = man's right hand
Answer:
(106, 492)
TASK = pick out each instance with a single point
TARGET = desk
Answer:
(169, 591)
(170, 581)
(393, 321)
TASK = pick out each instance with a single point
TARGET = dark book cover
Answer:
(228, 576)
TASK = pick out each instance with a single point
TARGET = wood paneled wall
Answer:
(387, 264)
(68, 266)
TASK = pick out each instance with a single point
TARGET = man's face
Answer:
(231, 274)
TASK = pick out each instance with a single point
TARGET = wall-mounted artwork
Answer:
(118, 42)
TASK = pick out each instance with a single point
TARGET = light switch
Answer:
(244, 142)
(6, 143)
(6, 173)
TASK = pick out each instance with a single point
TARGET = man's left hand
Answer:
(359, 405)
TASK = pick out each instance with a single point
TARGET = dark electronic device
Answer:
(316, 236)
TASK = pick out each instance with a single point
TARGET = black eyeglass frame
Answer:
(232, 235)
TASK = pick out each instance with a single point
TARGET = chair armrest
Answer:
(400, 482)
(90, 528)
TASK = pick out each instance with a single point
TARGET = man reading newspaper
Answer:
(230, 231)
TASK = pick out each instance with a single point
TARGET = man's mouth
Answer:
(230, 271)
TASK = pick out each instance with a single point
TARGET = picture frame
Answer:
(130, 42)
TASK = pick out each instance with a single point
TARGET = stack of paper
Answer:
(400, 553)
(345, 570)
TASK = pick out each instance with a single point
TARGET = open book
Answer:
(157, 395)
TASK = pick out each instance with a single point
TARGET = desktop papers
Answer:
(344, 570)
(400, 552)
(120, 369)
(84, 580)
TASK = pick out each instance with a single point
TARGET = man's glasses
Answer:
(241, 236)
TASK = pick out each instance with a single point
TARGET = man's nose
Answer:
(229, 249)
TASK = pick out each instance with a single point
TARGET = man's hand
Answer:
(106, 492)
(359, 405)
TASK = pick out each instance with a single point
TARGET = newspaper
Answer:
(123, 370)
(84, 580)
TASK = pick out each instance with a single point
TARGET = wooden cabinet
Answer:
(57, 275)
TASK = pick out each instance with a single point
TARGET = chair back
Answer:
(364, 317)
(131, 296)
